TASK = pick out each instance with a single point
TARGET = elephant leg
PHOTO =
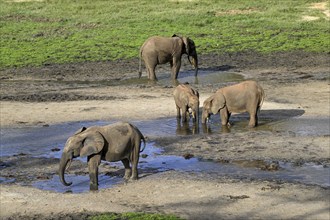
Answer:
(178, 115)
(184, 113)
(253, 119)
(128, 170)
(176, 64)
(134, 167)
(93, 165)
(224, 115)
(151, 72)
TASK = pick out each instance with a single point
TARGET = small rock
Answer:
(55, 149)
(187, 156)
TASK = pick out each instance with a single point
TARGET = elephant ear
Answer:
(80, 130)
(207, 103)
(218, 102)
(93, 144)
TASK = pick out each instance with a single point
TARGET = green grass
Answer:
(36, 33)
(134, 216)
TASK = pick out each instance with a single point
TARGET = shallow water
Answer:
(80, 183)
(39, 142)
(205, 77)
(308, 173)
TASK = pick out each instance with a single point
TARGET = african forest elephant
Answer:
(246, 96)
(160, 50)
(186, 98)
(119, 141)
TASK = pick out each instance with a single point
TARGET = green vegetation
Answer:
(61, 31)
(134, 216)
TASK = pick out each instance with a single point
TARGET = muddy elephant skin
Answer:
(117, 142)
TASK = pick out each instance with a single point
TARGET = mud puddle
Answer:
(206, 77)
(80, 183)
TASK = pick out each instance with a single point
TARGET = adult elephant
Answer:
(117, 142)
(160, 50)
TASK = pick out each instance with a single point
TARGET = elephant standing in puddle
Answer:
(116, 142)
(246, 96)
(186, 98)
(160, 50)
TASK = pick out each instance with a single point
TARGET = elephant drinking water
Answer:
(160, 50)
(186, 98)
(246, 96)
(116, 142)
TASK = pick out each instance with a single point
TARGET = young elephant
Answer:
(247, 96)
(119, 141)
(160, 50)
(186, 97)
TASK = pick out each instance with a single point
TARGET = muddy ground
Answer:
(296, 86)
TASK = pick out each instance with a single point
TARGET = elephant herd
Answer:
(122, 141)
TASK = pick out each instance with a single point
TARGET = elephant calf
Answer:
(119, 141)
(186, 98)
(246, 96)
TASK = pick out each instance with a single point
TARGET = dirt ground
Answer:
(296, 86)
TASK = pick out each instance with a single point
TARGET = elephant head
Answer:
(213, 105)
(83, 143)
(194, 105)
(190, 50)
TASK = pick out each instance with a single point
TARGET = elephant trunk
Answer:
(63, 164)
(197, 115)
(204, 117)
(194, 62)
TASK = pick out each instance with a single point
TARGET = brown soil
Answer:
(296, 85)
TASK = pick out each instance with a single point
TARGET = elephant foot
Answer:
(134, 178)
(93, 187)
(228, 125)
(127, 175)
(252, 125)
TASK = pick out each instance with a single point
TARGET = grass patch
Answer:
(133, 216)
(35, 33)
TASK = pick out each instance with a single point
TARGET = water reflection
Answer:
(185, 128)
(205, 77)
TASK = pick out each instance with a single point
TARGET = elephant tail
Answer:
(144, 143)
(141, 137)
(262, 96)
